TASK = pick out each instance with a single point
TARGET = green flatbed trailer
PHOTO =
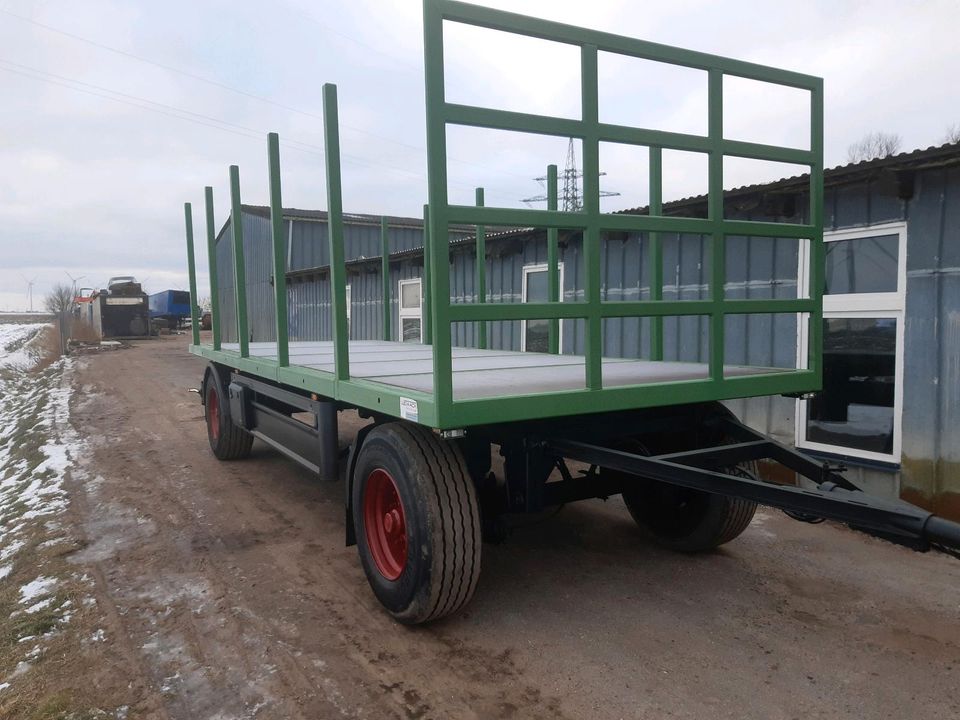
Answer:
(421, 496)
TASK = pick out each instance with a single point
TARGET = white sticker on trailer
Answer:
(408, 409)
(126, 301)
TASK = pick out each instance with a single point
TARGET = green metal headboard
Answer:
(592, 222)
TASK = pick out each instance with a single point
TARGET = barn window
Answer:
(535, 334)
(411, 311)
(858, 412)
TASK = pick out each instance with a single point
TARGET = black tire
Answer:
(227, 440)
(687, 520)
(441, 520)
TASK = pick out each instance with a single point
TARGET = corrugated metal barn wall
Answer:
(309, 293)
(258, 267)
(931, 412)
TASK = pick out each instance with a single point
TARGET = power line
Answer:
(241, 91)
(190, 116)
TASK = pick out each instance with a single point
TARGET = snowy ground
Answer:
(39, 594)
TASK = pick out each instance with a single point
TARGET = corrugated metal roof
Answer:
(946, 154)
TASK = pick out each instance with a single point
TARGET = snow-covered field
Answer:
(38, 597)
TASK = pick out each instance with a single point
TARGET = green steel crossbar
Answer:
(592, 222)
(440, 409)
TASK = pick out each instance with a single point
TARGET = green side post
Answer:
(426, 300)
(718, 271)
(279, 242)
(438, 240)
(385, 276)
(591, 207)
(338, 285)
(481, 261)
(553, 261)
(817, 259)
(192, 273)
(239, 269)
(655, 252)
(212, 261)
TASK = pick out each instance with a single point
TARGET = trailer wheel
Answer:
(417, 522)
(227, 440)
(687, 520)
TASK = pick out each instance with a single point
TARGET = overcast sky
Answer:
(115, 113)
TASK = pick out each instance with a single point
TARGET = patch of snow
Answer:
(36, 588)
(98, 636)
(37, 607)
(4, 686)
(12, 549)
(5, 570)
(15, 351)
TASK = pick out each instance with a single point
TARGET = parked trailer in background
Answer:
(170, 305)
(420, 493)
(120, 310)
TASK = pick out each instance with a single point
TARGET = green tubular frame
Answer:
(440, 409)
(591, 131)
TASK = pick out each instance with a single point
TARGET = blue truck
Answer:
(170, 305)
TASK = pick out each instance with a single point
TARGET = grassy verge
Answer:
(48, 616)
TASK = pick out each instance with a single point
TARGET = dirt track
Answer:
(228, 593)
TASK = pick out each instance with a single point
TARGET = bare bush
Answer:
(59, 301)
(874, 145)
(953, 134)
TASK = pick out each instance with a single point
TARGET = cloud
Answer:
(99, 150)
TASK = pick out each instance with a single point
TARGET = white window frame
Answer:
(348, 302)
(527, 269)
(881, 305)
(409, 313)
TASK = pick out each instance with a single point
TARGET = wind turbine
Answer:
(74, 280)
(30, 284)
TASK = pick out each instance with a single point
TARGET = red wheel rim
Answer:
(213, 414)
(385, 524)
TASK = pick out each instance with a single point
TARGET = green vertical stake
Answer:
(481, 260)
(192, 273)
(279, 242)
(553, 260)
(212, 260)
(385, 276)
(655, 252)
(338, 282)
(427, 294)
(239, 270)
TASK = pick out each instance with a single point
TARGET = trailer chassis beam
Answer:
(896, 521)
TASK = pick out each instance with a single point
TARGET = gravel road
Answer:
(227, 592)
